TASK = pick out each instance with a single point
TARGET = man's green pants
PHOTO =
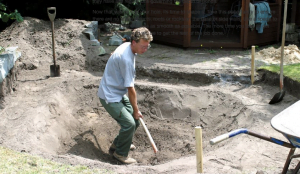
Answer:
(122, 112)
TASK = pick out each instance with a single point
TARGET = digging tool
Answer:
(54, 69)
(117, 34)
(279, 96)
(148, 134)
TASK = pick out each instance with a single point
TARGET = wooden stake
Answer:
(199, 150)
(252, 64)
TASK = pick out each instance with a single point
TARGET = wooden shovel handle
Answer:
(282, 45)
(149, 135)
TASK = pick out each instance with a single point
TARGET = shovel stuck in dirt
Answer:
(279, 96)
(54, 69)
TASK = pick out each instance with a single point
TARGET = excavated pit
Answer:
(171, 114)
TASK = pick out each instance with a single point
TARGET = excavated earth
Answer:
(61, 118)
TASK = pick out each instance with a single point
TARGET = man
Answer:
(117, 80)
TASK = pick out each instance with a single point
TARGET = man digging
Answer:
(117, 80)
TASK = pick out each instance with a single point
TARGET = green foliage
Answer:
(292, 71)
(5, 16)
(134, 9)
(211, 51)
(2, 49)
(125, 10)
(17, 162)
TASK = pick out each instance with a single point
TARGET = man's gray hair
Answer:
(141, 33)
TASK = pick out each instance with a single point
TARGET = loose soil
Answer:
(61, 118)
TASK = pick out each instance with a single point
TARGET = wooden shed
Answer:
(175, 22)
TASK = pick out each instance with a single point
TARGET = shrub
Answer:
(5, 16)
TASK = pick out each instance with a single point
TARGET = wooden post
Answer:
(187, 22)
(252, 64)
(199, 150)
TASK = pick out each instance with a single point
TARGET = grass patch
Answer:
(163, 56)
(16, 162)
(292, 71)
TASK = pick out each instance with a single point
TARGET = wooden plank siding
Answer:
(174, 24)
(294, 11)
(187, 15)
(279, 18)
(298, 13)
(166, 22)
(245, 23)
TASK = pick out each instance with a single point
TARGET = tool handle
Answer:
(149, 135)
(51, 15)
(219, 139)
(282, 45)
(227, 135)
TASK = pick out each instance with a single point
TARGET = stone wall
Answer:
(6, 86)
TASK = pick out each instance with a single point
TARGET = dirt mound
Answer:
(35, 34)
(273, 55)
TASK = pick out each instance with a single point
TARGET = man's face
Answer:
(141, 47)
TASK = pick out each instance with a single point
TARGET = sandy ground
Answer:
(61, 118)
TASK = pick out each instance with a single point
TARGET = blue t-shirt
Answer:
(119, 74)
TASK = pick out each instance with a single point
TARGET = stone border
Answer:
(8, 70)
(6, 86)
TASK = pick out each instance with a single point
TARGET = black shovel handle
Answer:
(50, 14)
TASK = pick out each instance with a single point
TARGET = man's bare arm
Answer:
(133, 102)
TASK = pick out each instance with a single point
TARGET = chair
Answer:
(204, 12)
(235, 10)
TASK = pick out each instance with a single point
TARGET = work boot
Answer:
(123, 159)
(113, 147)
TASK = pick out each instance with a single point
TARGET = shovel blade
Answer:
(54, 70)
(277, 97)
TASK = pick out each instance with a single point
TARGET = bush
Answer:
(5, 16)
(133, 9)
